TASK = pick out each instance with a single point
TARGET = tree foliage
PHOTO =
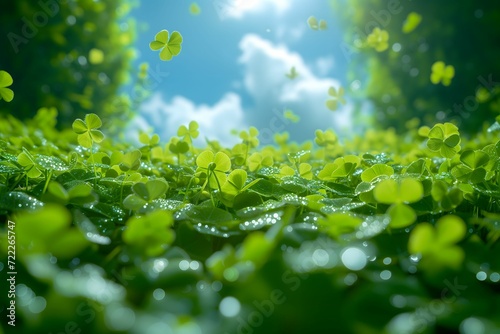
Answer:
(71, 55)
(421, 34)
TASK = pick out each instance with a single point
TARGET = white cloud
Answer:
(324, 65)
(236, 9)
(265, 65)
(215, 122)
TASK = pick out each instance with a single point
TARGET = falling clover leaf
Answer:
(442, 73)
(378, 39)
(337, 96)
(194, 9)
(411, 23)
(315, 25)
(87, 130)
(291, 116)
(5, 81)
(169, 47)
(293, 73)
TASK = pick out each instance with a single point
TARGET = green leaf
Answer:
(412, 22)
(406, 190)
(375, 171)
(401, 215)
(474, 159)
(93, 121)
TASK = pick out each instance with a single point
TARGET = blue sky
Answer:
(231, 71)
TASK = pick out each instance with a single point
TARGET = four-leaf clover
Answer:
(442, 73)
(87, 130)
(169, 47)
(5, 81)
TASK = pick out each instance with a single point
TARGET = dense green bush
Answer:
(69, 55)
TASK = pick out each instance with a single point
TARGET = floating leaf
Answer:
(169, 47)
(412, 22)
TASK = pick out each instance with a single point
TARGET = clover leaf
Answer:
(150, 234)
(397, 194)
(258, 160)
(340, 167)
(293, 73)
(87, 130)
(337, 224)
(337, 96)
(169, 47)
(313, 23)
(5, 81)
(445, 139)
(437, 244)
(326, 138)
(412, 22)
(447, 198)
(144, 193)
(26, 160)
(214, 166)
(378, 39)
(442, 73)
(189, 133)
(471, 169)
(250, 137)
(194, 9)
(291, 116)
(130, 160)
(376, 171)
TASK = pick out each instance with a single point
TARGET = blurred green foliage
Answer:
(71, 55)
(420, 34)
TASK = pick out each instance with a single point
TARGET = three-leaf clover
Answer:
(378, 39)
(189, 133)
(215, 166)
(169, 46)
(437, 245)
(5, 81)
(315, 25)
(87, 130)
(407, 190)
(442, 73)
(445, 139)
(250, 137)
(337, 96)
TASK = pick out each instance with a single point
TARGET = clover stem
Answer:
(93, 162)
(48, 176)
